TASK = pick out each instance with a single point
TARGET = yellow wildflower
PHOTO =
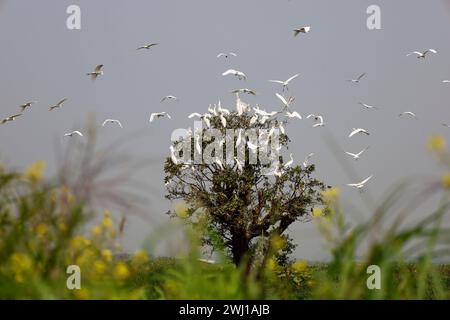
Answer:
(99, 267)
(121, 271)
(446, 181)
(35, 172)
(181, 210)
(317, 212)
(140, 257)
(86, 257)
(299, 266)
(437, 143)
(278, 243)
(107, 255)
(79, 242)
(271, 264)
(21, 262)
(331, 195)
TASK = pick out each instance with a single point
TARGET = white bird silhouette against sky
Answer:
(422, 55)
(408, 113)
(285, 83)
(358, 131)
(360, 185)
(239, 74)
(58, 105)
(297, 31)
(159, 115)
(357, 80)
(73, 133)
(147, 46)
(97, 72)
(113, 121)
(356, 156)
(226, 55)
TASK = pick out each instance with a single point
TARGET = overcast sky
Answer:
(42, 60)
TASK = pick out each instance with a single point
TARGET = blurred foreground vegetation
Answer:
(44, 228)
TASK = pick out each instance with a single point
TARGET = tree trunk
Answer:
(240, 247)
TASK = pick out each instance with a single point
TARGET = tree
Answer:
(242, 204)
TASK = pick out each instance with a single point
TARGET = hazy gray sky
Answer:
(42, 60)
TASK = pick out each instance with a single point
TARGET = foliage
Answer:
(245, 206)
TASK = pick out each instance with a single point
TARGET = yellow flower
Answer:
(181, 210)
(317, 212)
(437, 143)
(107, 221)
(300, 266)
(35, 172)
(79, 242)
(278, 243)
(121, 271)
(331, 195)
(140, 257)
(107, 255)
(271, 264)
(21, 262)
(446, 181)
(41, 230)
(96, 231)
(86, 257)
(99, 267)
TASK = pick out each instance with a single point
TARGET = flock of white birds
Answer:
(259, 115)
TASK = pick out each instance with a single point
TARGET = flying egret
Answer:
(73, 133)
(357, 80)
(11, 118)
(26, 105)
(147, 46)
(239, 74)
(297, 31)
(320, 123)
(97, 72)
(112, 121)
(408, 113)
(244, 90)
(159, 115)
(226, 55)
(169, 97)
(367, 106)
(58, 105)
(294, 114)
(361, 184)
(356, 156)
(285, 83)
(422, 54)
(357, 131)
(286, 103)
